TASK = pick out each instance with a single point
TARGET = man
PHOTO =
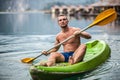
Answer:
(74, 51)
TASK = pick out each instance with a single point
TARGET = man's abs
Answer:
(70, 47)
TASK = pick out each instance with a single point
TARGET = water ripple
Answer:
(14, 48)
(103, 71)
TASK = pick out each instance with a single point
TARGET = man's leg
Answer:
(54, 57)
(78, 54)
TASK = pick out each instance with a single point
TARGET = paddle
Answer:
(103, 18)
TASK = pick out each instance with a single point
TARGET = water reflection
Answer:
(12, 23)
(25, 23)
(39, 23)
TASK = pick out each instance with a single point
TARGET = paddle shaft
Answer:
(63, 41)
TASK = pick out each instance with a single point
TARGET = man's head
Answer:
(62, 21)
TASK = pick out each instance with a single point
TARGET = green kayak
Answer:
(97, 53)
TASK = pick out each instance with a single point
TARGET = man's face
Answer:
(62, 21)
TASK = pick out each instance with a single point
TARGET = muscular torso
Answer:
(72, 44)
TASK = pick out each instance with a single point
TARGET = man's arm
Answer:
(85, 35)
(56, 48)
(82, 34)
(52, 50)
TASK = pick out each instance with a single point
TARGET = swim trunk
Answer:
(67, 55)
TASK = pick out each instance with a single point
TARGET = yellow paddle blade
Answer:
(105, 17)
(27, 60)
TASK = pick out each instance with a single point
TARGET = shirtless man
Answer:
(74, 51)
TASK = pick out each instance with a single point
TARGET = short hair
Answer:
(63, 15)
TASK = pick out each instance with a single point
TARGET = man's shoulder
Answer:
(59, 34)
(75, 28)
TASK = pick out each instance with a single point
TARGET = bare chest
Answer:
(71, 41)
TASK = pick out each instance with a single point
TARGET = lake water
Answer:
(26, 34)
